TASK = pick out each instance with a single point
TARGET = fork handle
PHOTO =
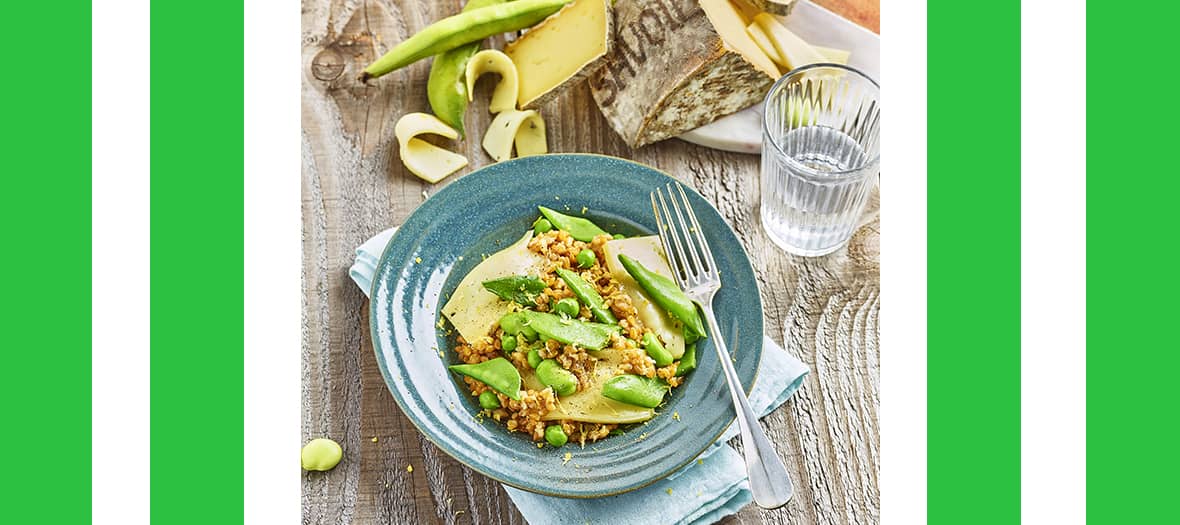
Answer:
(769, 482)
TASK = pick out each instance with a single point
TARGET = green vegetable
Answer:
(617, 432)
(508, 343)
(542, 225)
(586, 258)
(552, 375)
(488, 400)
(578, 227)
(616, 237)
(589, 297)
(635, 390)
(463, 28)
(498, 373)
(688, 362)
(534, 357)
(592, 336)
(555, 435)
(568, 306)
(320, 454)
(446, 88)
(522, 289)
(515, 323)
(651, 343)
(664, 292)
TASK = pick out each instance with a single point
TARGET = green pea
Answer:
(542, 225)
(508, 342)
(489, 400)
(515, 323)
(658, 353)
(534, 357)
(321, 454)
(618, 236)
(586, 258)
(568, 306)
(555, 435)
(635, 390)
(552, 375)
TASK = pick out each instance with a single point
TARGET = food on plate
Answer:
(427, 161)
(563, 50)
(833, 55)
(321, 454)
(791, 49)
(446, 88)
(555, 343)
(493, 61)
(466, 27)
(523, 129)
(678, 65)
(759, 36)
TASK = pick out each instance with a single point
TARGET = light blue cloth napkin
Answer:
(705, 491)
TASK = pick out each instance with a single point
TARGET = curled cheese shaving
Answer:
(493, 61)
(525, 129)
(429, 162)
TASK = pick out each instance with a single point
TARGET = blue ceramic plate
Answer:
(488, 210)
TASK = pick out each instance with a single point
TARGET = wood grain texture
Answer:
(353, 186)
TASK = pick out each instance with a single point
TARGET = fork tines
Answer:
(684, 243)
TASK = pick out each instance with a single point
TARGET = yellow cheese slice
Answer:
(650, 254)
(833, 55)
(493, 61)
(429, 162)
(525, 129)
(729, 20)
(559, 52)
(764, 43)
(590, 406)
(792, 49)
(473, 310)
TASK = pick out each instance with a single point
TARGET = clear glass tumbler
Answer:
(820, 156)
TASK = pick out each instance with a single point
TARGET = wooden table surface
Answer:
(353, 186)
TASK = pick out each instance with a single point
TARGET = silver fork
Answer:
(695, 270)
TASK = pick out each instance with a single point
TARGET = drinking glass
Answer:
(820, 156)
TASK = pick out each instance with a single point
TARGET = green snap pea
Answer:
(463, 28)
(534, 357)
(498, 373)
(552, 375)
(586, 258)
(635, 390)
(592, 336)
(578, 227)
(320, 454)
(688, 362)
(568, 306)
(508, 343)
(542, 225)
(555, 435)
(521, 289)
(655, 350)
(515, 323)
(488, 400)
(446, 87)
(589, 297)
(665, 293)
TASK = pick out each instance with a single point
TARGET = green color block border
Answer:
(197, 262)
(973, 236)
(1132, 282)
(45, 213)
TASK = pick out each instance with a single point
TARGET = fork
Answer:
(696, 272)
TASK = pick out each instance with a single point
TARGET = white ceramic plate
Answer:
(742, 131)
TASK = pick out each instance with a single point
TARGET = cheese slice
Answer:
(561, 51)
(729, 19)
(589, 405)
(764, 43)
(833, 55)
(473, 310)
(792, 49)
(650, 254)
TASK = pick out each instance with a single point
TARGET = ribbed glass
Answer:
(820, 156)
